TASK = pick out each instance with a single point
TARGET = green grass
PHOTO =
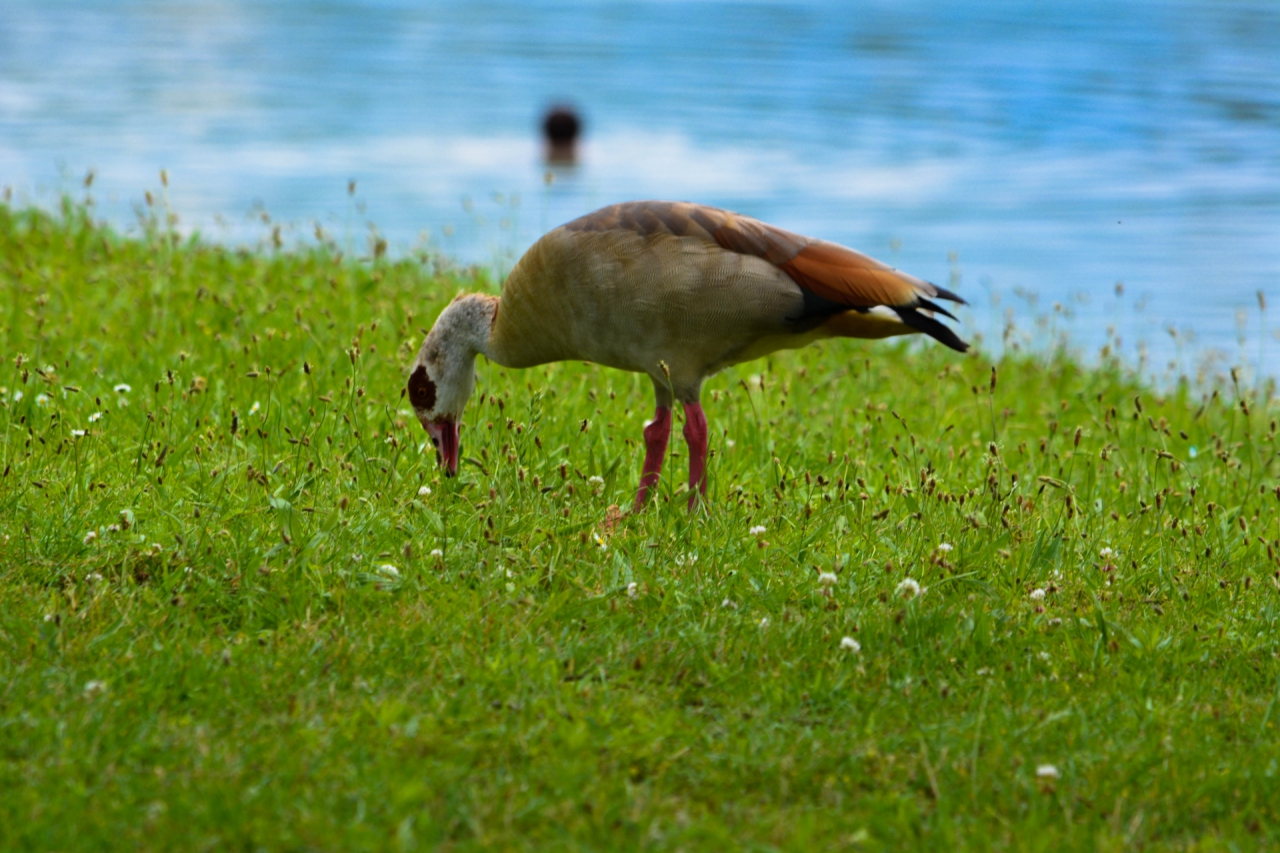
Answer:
(224, 665)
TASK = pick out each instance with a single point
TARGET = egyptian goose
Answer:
(675, 290)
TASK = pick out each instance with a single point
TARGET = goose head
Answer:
(444, 373)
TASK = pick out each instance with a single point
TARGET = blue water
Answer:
(1031, 154)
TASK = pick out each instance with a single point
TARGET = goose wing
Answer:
(835, 278)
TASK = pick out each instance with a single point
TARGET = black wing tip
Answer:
(935, 307)
(931, 327)
(943, 293)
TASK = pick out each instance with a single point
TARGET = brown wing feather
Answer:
(648, 218)
(827, 269)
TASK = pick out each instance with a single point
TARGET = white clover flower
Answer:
(93, 577)
(729, 442)
(944, 547)
(1047, 771)
(1037, 595)
(123, 388)
(94, 688)
(255, 408)
(728, 604)
(827, 579)
(908, 588)
(48, 617)
(757, 530)
(1045, 656)
(596, 480)
(633, 590)
(851, 644)
(42, 399)
(90, 536)
(388, 576)
(764, 623)
(1106, 553)
(78, 433)
(18, 395)
(436, 552)
(95, 417)
(423, 491)
(686, 559)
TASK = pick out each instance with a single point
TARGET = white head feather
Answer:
(444, 374)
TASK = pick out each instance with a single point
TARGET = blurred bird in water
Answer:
(561, 127)
(674, 290)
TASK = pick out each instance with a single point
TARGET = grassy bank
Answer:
(240, 609)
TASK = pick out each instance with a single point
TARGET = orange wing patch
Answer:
(847, 277)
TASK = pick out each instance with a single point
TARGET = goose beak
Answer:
(444, 435)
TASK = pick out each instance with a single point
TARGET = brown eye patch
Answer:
(422, 391)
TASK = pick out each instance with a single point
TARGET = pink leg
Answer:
(695, 433)
(655, 450)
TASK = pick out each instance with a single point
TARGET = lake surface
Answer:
(1027, 153)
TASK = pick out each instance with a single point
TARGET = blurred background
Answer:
(1031, 155)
